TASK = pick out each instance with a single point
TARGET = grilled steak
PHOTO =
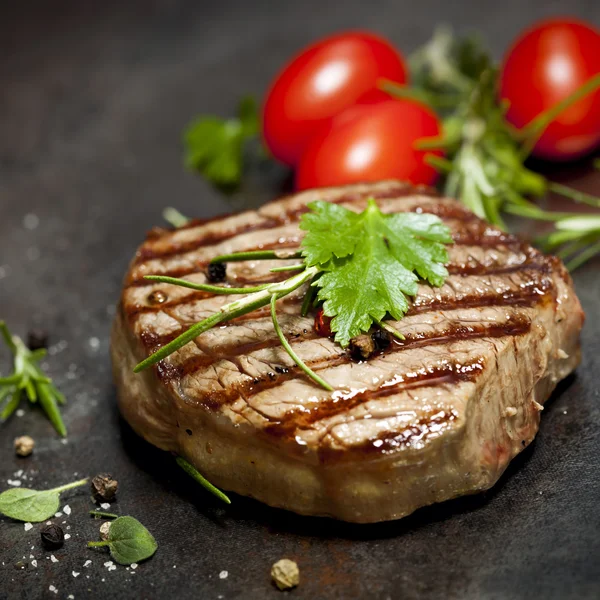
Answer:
(430, 418)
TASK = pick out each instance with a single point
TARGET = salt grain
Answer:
(58, 514)
(87, 563)
(67, 509)
(53, 589)
(105, 506)
(13, 482)
(71, 597)
(109, 563)
(94, 343)
(75, 574)
(34, 563)
(67, 536)
(53, 558)
(64, 441)
(28, 526)
(20, 412)
(134, 565)
(223, 575)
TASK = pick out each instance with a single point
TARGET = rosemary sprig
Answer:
(484, 165)
(230, 311)
(290, 350)
(28, 378)
(207, 485)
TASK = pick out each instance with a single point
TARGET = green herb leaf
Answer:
(28, 379)
(33, 506)
(195, 474)
(371, 264)
(128, 541)
(214, 146)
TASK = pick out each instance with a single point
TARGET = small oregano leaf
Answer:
(128, 541)
(33, 506)
(27, 505)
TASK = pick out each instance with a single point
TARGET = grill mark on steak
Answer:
(427, 426)
(525, 296)
(214, 400)
(343, 401)
(208, 239)
(514, 325)
(442, 210)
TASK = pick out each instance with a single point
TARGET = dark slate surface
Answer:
(93, 97)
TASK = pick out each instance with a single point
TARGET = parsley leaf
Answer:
(215, 147)
(370, 262)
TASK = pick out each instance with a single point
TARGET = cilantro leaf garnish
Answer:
(371, 262)
(364, 264)
(214, 146)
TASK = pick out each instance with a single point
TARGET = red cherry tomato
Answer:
(370, 142)
(321, 81)
(547, 63)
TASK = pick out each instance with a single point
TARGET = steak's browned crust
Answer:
(435, 416)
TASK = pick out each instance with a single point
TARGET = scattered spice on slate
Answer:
(285, 574)
(24, 445)
(216, 272)
(381, 338)
(53, 537)
(37, 339)
(104, 529)
(104, 487)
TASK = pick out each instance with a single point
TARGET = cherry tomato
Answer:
(547, 63)
(321, 81)
(370, 142)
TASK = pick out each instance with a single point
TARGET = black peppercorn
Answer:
(53, 537)
(362, 347)
(37, 339)
(216, 272)
(381, 338)
(104, 488)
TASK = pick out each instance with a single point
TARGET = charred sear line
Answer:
(202, 265)
(147, 253)
(516, 325)
(387, 442)
(341, 401)
(209, 239)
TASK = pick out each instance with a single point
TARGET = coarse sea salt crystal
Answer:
(28, 526)
(20, 412)
(87, 563)
(34, 563)
(223, 575)
(58, 514)
(134, 565)
(67, 509)
(13, 482)
(75, 574)
(67, 536)
(53, 558)
(105, 506)
(53, 589)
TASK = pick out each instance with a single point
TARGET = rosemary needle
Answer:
(290, 350)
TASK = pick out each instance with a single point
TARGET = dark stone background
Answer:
(93, 97)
